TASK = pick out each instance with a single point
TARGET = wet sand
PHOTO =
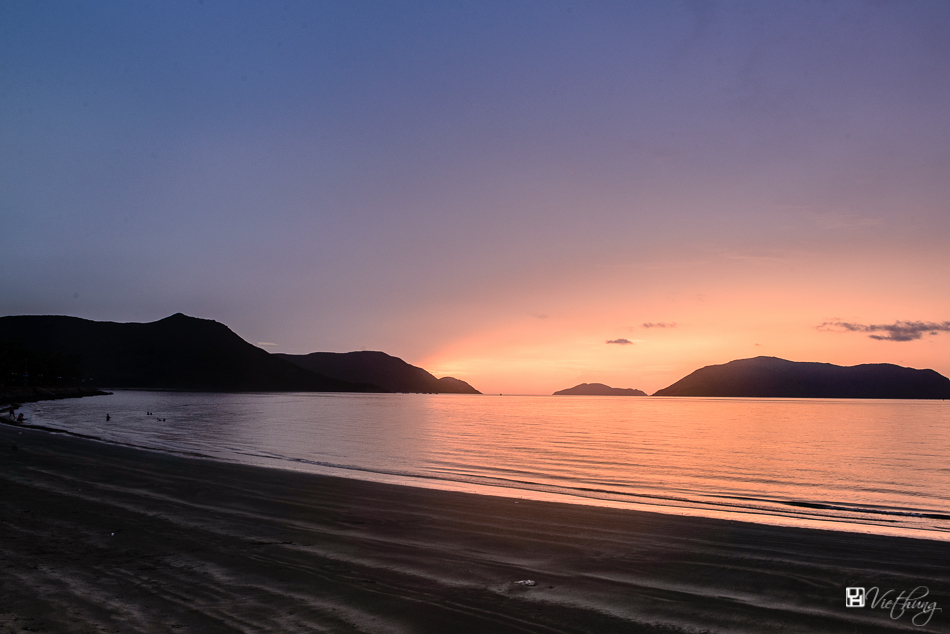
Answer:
(104, 538)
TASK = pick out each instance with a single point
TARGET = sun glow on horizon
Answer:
(532, 356)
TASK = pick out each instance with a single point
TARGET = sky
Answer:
(523, 195)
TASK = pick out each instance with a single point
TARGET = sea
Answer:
(872, 466)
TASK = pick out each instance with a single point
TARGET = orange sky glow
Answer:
(769, 307)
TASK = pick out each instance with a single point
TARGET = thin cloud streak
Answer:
(659, 324)
(622, 342)
(898, 331)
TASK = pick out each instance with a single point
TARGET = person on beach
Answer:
(19, 418)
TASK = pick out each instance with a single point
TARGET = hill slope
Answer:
(778, 378)
(598, 389)
(389, 372)
(177, 352)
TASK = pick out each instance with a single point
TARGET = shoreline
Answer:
(98, 535)
(657, 504)
(17, 396)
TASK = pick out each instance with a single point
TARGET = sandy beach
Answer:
(105, 538)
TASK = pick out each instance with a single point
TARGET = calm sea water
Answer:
(871, 466)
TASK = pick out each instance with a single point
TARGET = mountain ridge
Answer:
(177, 352)
(389, 372)
(190, 353)
(771, 377)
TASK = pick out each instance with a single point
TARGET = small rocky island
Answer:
(599, 389)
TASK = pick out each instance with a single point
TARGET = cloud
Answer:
(265, 343)
(898, 331)
(659, 324)
(622, 342)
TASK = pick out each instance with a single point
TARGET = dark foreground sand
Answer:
(95, 537)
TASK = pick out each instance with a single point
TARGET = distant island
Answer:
(184, 353)
(388, 372)
(771, 377)
(598, 389)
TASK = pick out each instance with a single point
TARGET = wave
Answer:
(841, 511)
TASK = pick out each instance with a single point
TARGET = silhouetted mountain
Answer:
(599, 389)
(23, 367)
(778, 378)
(17, 395)
(390, 373)
(177, 352)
